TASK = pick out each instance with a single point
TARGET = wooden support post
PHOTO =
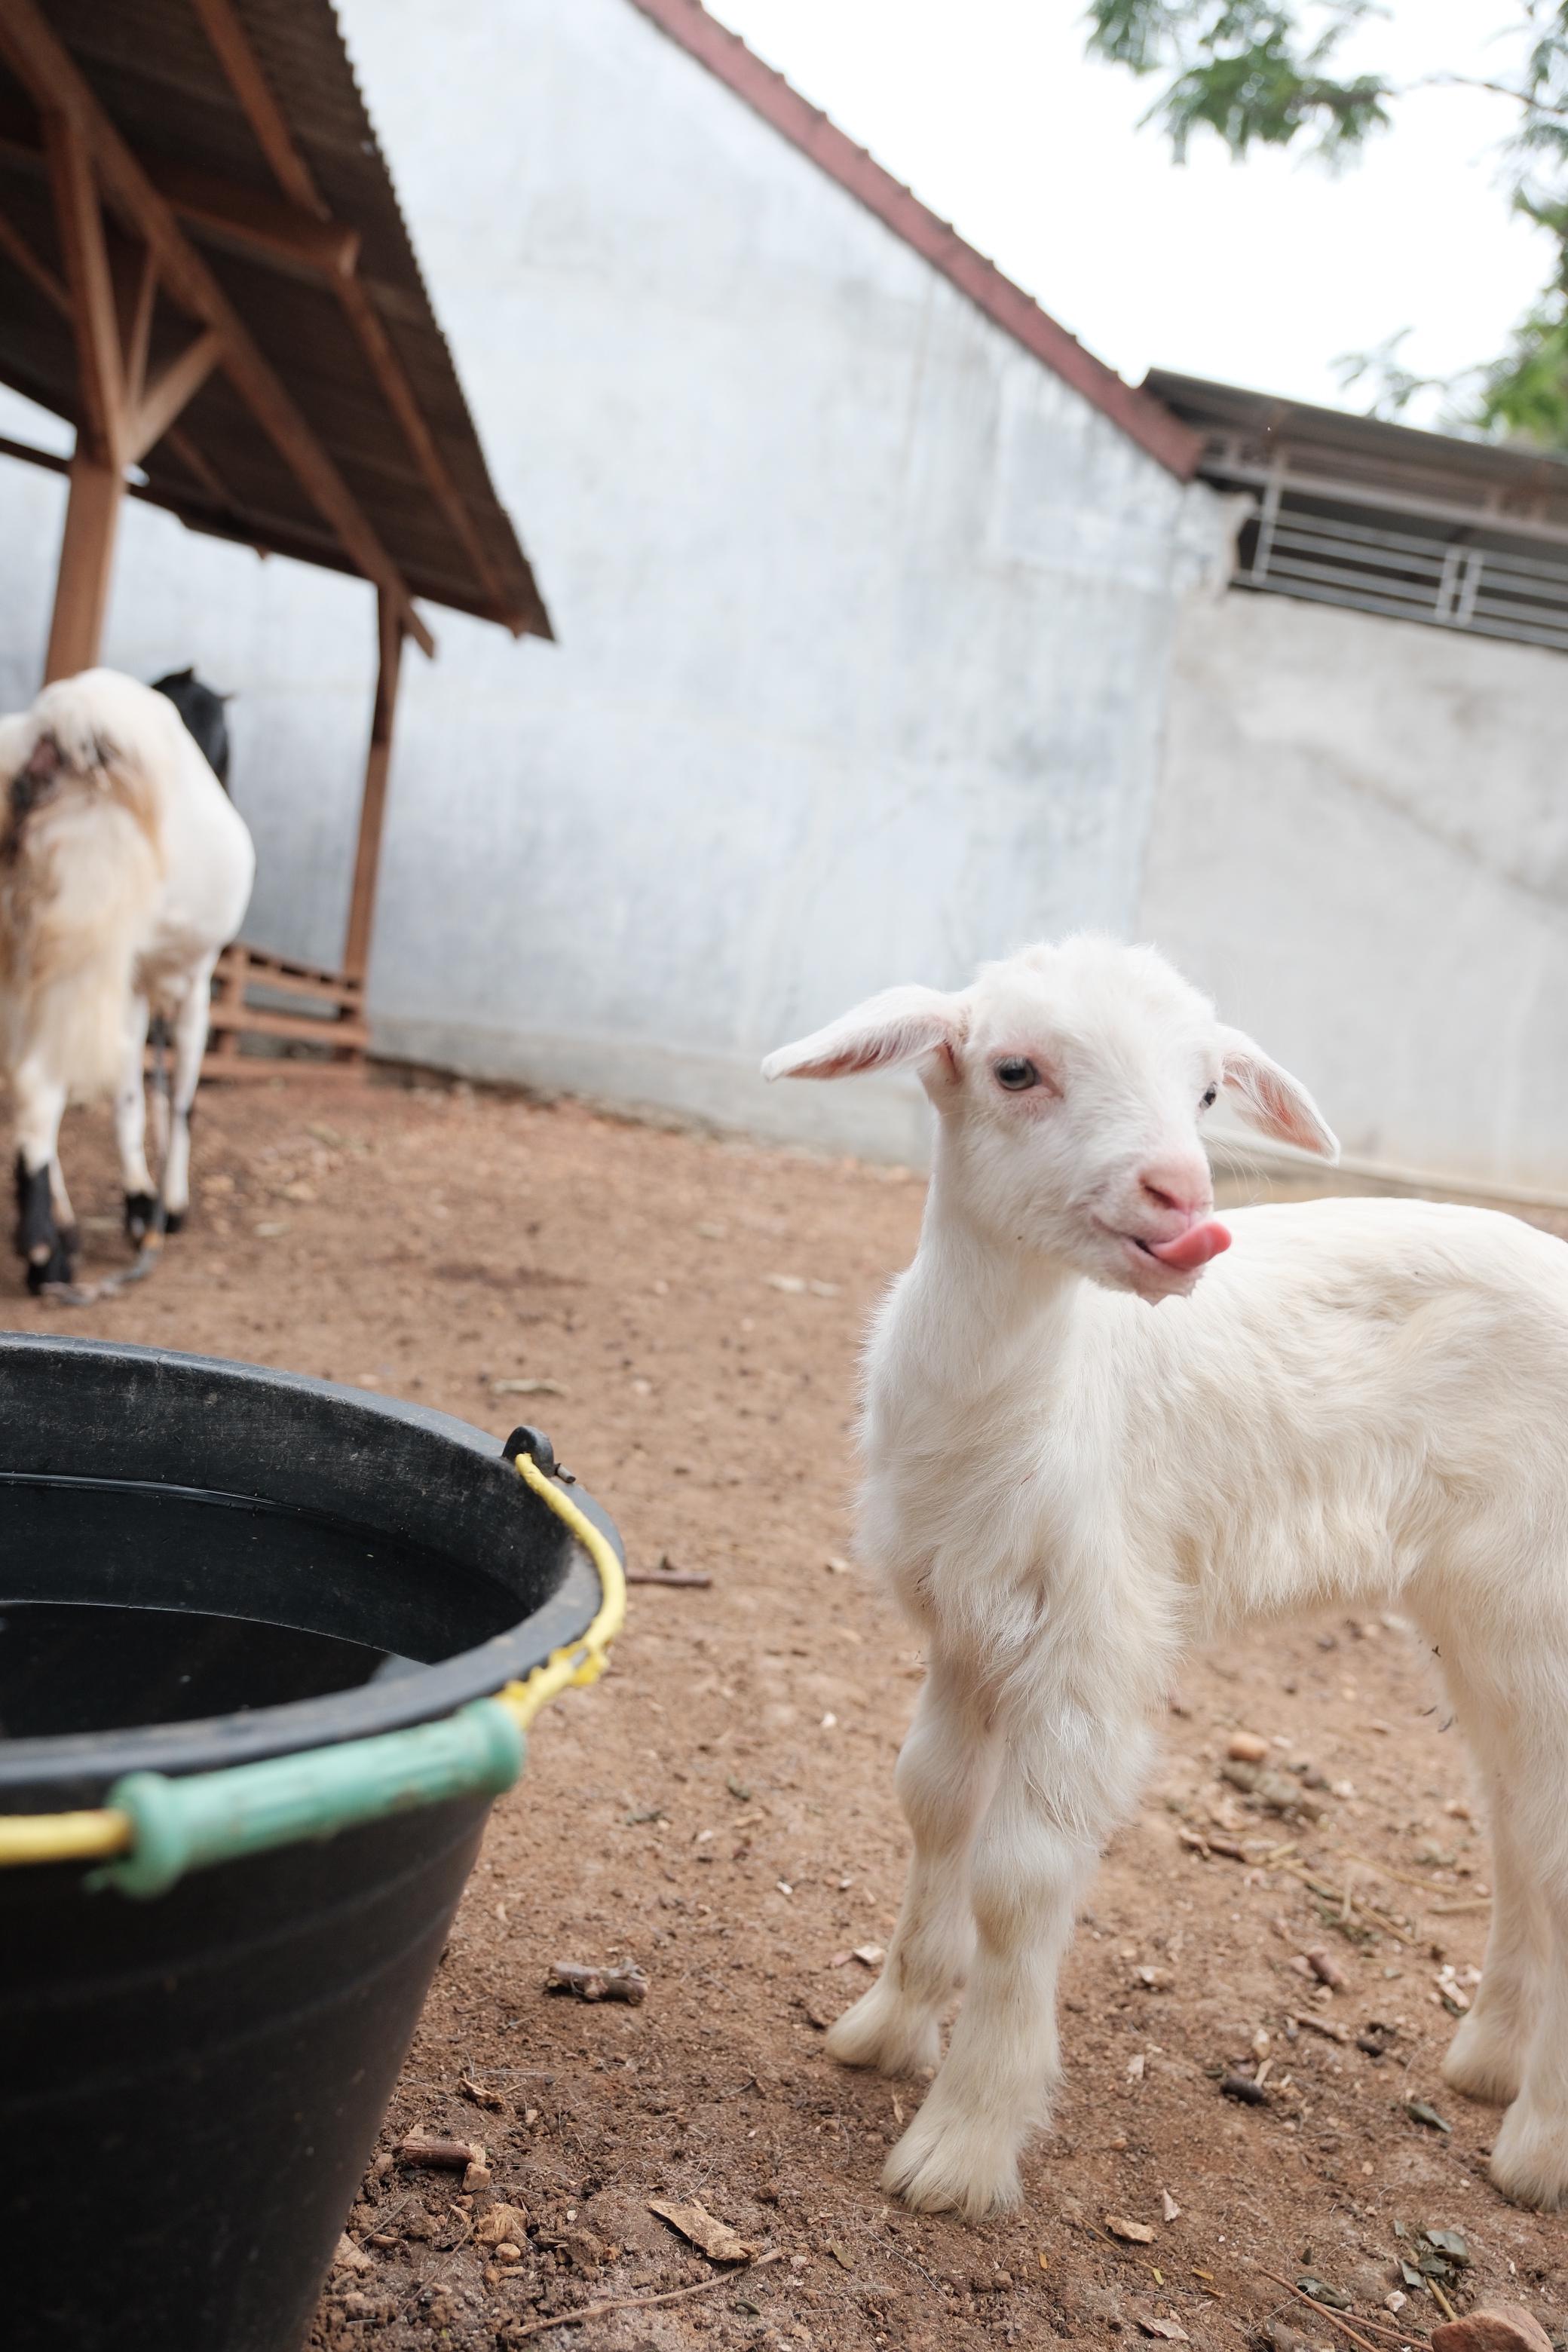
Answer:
(97, 474)
(228, 1002)
(373, 807)
(87, 558)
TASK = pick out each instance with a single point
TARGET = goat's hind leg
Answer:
(131, 1127)
(190, 1024)
(1529, 2153)
(40, 1102)
(943, 1778)
(1486, 2057)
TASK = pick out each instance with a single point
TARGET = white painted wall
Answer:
(863, 616)
(1360, 844)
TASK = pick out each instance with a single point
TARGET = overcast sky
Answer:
(1257, 274)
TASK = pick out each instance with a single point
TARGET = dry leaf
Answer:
(528, 1388)
(714, 2239)
(1173, 2210)
(1136, 2233)
(347, 2256)
(1169, 2331)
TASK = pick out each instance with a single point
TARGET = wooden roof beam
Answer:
(17, 251)
(260, 109)
(46, 69)
(283, 232)
(168, 394)
(90, 286)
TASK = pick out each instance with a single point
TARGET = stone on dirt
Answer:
(1507, 2327)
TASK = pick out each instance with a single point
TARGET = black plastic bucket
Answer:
(204, 1564)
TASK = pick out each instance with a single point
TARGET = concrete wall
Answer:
(1359, 844)
(863, 616)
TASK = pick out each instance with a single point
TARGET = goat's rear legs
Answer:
(1530, 2153)
(130, 1125)
(944, 1777)
(1486, 2057)
(1038, 1846)
(190, 1026)
(40, 1102)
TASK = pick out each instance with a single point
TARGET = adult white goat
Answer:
(124, 868)
(1365, 1400)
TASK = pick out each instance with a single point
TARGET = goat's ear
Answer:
(1269, 1098)
(903, 1025)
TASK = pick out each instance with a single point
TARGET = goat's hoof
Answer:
(1481, 2065)
(174, 1220)
(141, 1215)
(57, 1267)
(1530, 2158)
(955, 2166)
(883, 2032)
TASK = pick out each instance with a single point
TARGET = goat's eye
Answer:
(1209, 1099)
(1016, 1075)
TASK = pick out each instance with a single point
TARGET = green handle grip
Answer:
(188, 1824)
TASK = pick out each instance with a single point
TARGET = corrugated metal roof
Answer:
(153, 69)
(1246, 434)
(1139, 414)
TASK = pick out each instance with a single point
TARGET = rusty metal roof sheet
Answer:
(1248, 435)
(153, 68)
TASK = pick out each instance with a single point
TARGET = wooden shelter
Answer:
(203, 267)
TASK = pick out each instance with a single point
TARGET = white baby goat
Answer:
(1363, 1401)
(124, 868)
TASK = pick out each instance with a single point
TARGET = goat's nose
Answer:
(1180, 1186)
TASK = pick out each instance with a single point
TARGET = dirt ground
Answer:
(719, 1810)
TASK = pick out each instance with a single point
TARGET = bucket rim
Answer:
(79, 1767)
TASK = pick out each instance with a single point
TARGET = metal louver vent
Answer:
(1297, 547)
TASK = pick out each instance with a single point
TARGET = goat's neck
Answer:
(980, 1310)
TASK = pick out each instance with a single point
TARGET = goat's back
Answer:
(115, 829)
(1362, 1398)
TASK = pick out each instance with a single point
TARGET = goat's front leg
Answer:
(191, 1024)
(946, 1772)
(1041, 1839)
(41, 1101)
(130, 1125)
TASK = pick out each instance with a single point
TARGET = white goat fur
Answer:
(1364, 1403)
(119, 885)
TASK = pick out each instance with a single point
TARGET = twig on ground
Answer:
(1338, 2319)
(640, 2301)
(696, 1576)
(446, 2155)
(1303, 1871)
(627, 1984)
(1322, 2025)
(1387, 1870)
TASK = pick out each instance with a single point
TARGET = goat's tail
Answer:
(80, 868)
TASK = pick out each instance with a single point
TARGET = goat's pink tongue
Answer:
(1194, 1248)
